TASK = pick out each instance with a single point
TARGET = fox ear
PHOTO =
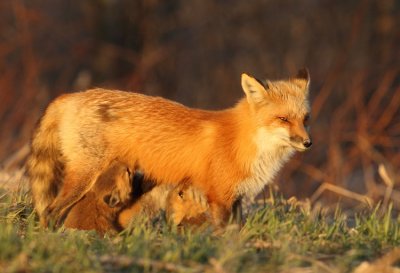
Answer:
(302, 79)
(253, 88)
(112, 200)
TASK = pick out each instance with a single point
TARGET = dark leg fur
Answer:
(237, 212)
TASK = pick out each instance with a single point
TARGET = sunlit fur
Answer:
(225, 153)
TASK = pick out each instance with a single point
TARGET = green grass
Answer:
(277, 237)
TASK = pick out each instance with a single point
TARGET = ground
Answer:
(279, 235)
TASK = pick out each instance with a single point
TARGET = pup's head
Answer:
(281, 109)
(187, 205)
(114, 185)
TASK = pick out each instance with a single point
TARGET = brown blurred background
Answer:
(194, 52)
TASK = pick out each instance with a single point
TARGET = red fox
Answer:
(226, 154)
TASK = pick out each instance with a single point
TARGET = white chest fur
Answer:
(273, 152)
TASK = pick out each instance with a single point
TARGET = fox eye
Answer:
(285, 119)
(180, 193)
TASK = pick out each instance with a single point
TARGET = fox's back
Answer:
(99, 125)
(110, 111)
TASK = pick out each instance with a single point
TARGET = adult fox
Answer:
(226, 154)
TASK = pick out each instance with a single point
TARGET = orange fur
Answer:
(225, 154)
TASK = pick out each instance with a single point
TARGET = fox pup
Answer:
(226, 154)
(103, 209)
(184, 204)
(98, 209)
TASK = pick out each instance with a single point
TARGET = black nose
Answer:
(307, 143)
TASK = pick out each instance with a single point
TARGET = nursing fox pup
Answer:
(99, 208)
(183, 204)
(102, 208)
(226, 154)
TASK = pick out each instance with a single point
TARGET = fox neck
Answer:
(268, 157)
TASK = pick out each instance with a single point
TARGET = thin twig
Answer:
(341, 191)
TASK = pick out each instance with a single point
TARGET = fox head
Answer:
(281, 109)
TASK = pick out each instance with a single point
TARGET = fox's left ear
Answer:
(254, 90)
(302, 79)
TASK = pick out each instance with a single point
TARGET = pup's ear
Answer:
(113, 199)
(253, 88)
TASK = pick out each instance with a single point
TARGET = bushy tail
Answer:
(45, 167)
